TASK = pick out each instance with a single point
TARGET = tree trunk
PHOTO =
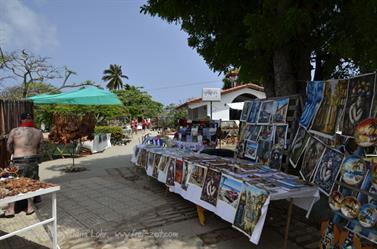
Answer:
(285, 81)
(303, 71)
(268, 84)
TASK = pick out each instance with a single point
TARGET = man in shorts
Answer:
(24, 142)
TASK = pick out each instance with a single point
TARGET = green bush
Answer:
(116, 132)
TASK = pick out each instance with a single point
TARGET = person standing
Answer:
(24, 142)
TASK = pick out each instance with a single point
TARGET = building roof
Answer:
(223, 92)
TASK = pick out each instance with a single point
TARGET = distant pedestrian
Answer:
(134, 125)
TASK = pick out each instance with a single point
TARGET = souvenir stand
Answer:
(14, 189)
(237, 190)
(335, 149)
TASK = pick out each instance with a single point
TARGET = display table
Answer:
(53, 219)
(100, 143)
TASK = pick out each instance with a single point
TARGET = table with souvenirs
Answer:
(328, 145)
(14, 188)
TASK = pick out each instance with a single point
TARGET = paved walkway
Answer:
(115, 205)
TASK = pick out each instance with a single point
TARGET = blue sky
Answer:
(88, 35)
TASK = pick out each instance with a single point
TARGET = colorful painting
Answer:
(249, 208)
(178, 171)
(264, 151)
(170, 175)
(350, 207)
(366, 132)
(281, 109)
(312, 154)
(230, 189)
(335, 200)
(143, 158)
(266, 133)
(330, 111)
(280, 135)
(150, 159)
(369, 234)
(187, 169)
(266, 111)
(254, 134)
(251, 149)
(198, 175)
(156, 162)
(254, 110)
(245, 110)
(358, 104)
(211, 186)
(368, 215)
(298, 145)
(353, 170)
(314, 93)
(328, 170)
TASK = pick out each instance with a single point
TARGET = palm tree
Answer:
(113, 76)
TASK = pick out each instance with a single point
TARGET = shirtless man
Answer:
(24, 142)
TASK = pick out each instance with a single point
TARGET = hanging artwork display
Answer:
(187, 169)
(143, 158)
(163, 163)
(313, 152)
(211, 186)
(276, 157)
(264, 151)
(280, 135)
(254, 134)
(178, 171)
(230, 189)
(156, 162)
(245, 110)
(150, 160)
(328, 116)
(266, 111)
(251, 149)
(254, 110)
(314, 93)
(281, 109)
(366, 132)
(328, 170)
(298, 145)
(198, 175)
(170, 176)
(358, 104)
(249, 208)
(353, 170)
(266, 133)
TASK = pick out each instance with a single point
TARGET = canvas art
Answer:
(249, 208)
(150, 159)
(230, 189)
(163, 163)
(313, 152)
(254, 134)
(254, 110)
(170, 175)
(143, 158)
(187, 168)
(178, 170)
(245, 111)
(276, 157)
(266, 111)
(198, 175)
(298, 145)
(156, 162)
(251, 149)
(266, 133)
(280, 135)
(281, 109)
(328, 170)
(314, 93)
(211, 186)
(331, 109)
(358, 104)
(264, 151)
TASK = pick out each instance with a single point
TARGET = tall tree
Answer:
(274, 42)
(113, 75)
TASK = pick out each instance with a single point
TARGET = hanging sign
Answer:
(211, 94)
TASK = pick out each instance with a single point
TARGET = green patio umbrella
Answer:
(84, 96)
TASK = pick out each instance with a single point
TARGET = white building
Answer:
(199, 110)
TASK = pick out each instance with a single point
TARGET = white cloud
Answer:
(22, 28)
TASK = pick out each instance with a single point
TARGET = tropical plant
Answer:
(113, 76)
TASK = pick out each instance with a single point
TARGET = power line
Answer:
(184, 85)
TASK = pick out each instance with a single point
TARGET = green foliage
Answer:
(113, 75)
(139, 104)
(170, 116)
(34, 88)
(116, 132)
(274, 41)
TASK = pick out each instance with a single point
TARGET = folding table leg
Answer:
(289, 217)
(54, 224)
